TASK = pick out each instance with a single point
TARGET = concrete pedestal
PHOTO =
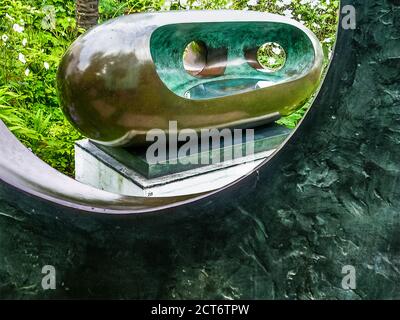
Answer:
(125, 171)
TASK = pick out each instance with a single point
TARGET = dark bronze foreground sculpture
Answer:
(127, 76)
(327, 199)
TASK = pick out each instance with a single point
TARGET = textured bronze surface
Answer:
(127, 76)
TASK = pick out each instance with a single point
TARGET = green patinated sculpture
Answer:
(128, 76)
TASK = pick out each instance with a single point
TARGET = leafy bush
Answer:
(35, 34)
(31, 48)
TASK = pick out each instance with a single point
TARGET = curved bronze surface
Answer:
(126, 77)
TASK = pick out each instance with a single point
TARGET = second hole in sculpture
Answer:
(271, 57)
(268, 58)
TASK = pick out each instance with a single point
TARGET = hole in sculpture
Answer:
(204, 62)
(270, 57)
(201, 61)
(195, 58)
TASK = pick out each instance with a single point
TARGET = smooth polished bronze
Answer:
(127, 76)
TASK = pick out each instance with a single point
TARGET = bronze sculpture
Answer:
(127, 76)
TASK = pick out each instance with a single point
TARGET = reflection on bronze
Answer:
(127, 76)
(200, 61)
(251, 58)
(195, 58)
(216, 62)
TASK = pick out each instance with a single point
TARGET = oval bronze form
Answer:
(127, 76)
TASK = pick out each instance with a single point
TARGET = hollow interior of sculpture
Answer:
(210, 60)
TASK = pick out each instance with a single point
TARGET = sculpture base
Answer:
(126, 171)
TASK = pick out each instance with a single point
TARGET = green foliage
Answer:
(113, 8)
(31, 47)
(35, 34)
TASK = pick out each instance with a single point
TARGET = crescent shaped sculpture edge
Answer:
(126, 77)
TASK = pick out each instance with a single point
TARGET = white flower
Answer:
(21, 58)
(282, 3)
(315, 25)
(229, 4)
(46, 65)
(9, 17)
(18, 28)
(252, 2)
(276, 50)
(288, 13)
(24, 42)
(166, 5)
(312, 3)
(27, 72)
(4, 37)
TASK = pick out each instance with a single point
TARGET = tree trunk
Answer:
(87, 13)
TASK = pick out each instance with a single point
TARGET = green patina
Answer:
(168, 44)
